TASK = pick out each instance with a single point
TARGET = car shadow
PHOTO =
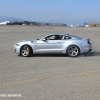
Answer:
(48, 55)
(90, 54)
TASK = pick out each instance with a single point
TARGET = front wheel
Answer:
(26, 51)
(73, 51)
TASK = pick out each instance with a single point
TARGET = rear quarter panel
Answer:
(68, 43)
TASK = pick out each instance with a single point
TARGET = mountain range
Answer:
(11, 19)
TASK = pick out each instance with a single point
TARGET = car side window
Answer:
(58, 37)
(51, 37)
(54, 37)
(67, 37)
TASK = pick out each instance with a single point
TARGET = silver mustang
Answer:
(52, 44)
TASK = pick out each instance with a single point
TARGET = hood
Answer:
(29, 40)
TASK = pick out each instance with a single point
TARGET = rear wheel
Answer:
(26, 51)
(73, 51)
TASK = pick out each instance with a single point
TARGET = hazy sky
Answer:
(60, 11)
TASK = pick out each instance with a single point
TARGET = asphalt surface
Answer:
(48, 77)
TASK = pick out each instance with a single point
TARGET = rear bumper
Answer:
(86, 48)
(90, 50)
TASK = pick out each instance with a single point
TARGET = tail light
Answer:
(89, 42)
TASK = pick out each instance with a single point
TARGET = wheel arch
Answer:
(26, 45)
(74, 45)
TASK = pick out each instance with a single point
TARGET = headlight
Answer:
(17, 44)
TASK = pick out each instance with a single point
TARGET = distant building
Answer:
(92, 24)
(4, 23)
(71, 25)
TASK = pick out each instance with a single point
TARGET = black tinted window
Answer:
(58, 37)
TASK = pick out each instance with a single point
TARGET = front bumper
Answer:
(14, 50)
(17, 49)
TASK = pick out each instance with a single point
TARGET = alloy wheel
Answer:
(73, 51)
(25, 51)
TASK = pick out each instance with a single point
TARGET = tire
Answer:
(73, 51)
(26, 51)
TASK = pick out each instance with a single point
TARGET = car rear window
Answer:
(67, 37)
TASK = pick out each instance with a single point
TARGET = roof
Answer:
(58, 33)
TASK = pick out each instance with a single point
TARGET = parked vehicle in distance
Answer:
(54, 43)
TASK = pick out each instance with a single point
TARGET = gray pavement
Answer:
(48, 77)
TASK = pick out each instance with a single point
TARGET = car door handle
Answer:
(59, 42)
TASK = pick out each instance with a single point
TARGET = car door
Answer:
(50, 45)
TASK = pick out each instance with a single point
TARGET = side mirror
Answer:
(43, 39)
